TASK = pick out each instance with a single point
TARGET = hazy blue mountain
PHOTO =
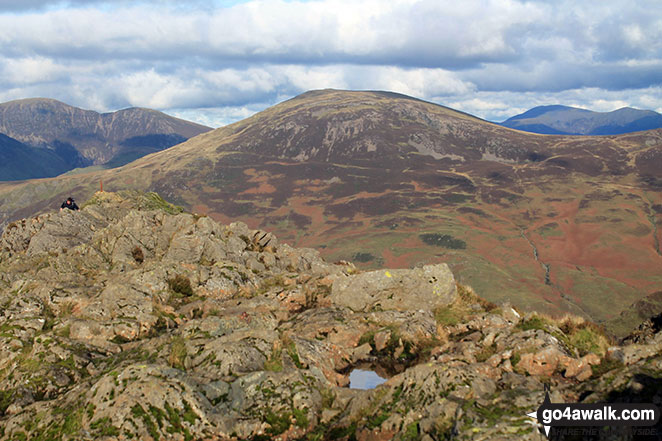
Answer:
(564, 120)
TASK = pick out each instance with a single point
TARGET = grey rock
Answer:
(428, 287)
(361, 353)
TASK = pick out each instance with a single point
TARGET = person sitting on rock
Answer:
(70, 204)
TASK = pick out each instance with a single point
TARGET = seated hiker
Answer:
(70, 204)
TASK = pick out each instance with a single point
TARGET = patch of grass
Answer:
(462, 308)
(300, 417)
(447, 316)
(138, 412)
(605, 366)
(6, 330)
(573, 331)
(49, 315)
(275, 361)
(159, 415)
(64, 331)
(68, 363)
(176, 423)
(533, 322)
(90, 410)
(118, 339)
(368, 337)
(103, 427)
(279, 422)
(328, 398)
(348, 432)
(411, 432)
(584, 335)
(152, 201)
(376, 420)
(189, 415)
(66, 309)
(291, 349)
(6, 398)
(469, 296)
(178, 353)
(385, 410)
(457, 198)
(269, 283)
(586, 341)
(490, 414)
(19, 436)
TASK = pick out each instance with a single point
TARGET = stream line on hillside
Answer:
(548, 279)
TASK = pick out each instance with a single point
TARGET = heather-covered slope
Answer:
(549, 223)
(131, 320)
(78, 138)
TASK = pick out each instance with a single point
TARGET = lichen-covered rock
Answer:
(420, 288)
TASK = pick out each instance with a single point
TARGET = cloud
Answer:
(487, 56)
(422, 34)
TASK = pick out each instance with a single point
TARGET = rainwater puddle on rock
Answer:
(364, 379)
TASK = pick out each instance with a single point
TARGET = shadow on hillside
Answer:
(643, 389)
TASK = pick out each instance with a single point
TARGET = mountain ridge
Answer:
(85, 137)
(567, 120)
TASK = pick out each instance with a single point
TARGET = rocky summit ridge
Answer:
(134, 320)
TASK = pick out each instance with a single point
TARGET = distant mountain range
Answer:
(564, 120)
(551, 223)
(44, 137)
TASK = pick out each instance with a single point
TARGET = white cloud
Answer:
(30, 70)
(489, 57)
(217, 116)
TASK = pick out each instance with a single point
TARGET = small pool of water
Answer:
(364, 379)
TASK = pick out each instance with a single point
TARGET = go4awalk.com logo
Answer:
(595, 414)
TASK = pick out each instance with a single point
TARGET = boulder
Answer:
(420, 288)
(381, 339)
(633, 353)
(361, 353)
(543, 363)
(579, 369)
(62, 231)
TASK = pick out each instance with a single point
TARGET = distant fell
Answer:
(565, 120)
(59, 137)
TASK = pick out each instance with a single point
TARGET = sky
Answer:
(216, 62)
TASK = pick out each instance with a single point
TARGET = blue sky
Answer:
(218, 62)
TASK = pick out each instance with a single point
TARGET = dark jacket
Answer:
(71, 205)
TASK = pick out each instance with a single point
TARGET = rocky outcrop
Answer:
(133, 320)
